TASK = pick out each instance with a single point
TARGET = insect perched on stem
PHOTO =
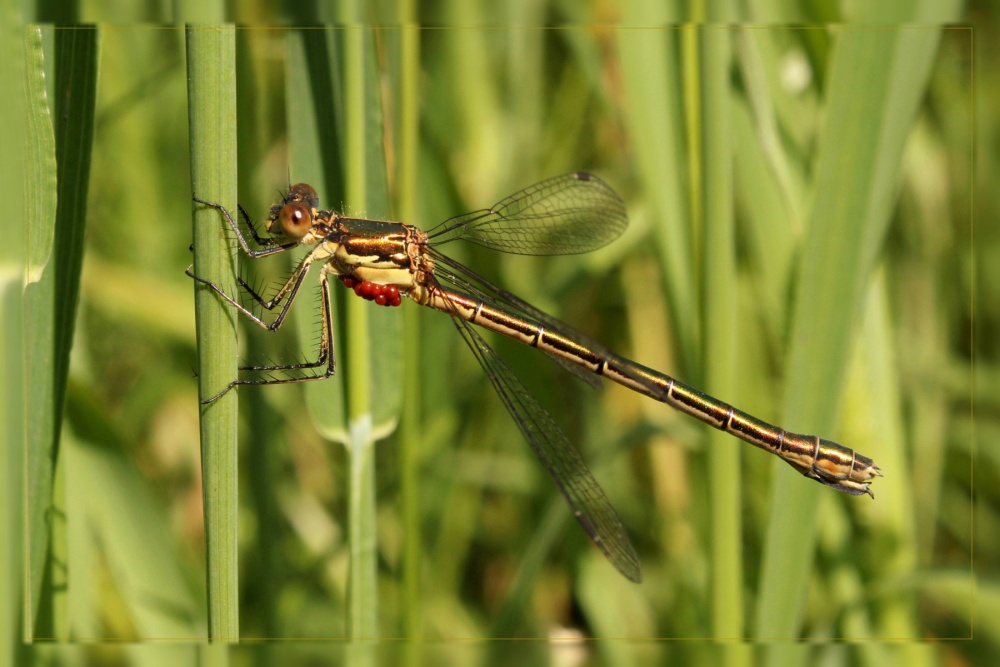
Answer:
(573, 213)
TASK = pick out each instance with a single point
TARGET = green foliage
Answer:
(799, 242)
(55, 255)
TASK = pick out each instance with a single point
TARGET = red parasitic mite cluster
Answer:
(382, 295)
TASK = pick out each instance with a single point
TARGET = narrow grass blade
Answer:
(409, 433)
(36, 151)
(211, 53)
(28, 181)
(53, 299)
(654, 96)
(876, 79)
(312, 92)
(872, 414)
(769, 230)
(385, 353)
(361, 98)
(720, 312)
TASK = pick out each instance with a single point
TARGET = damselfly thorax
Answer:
(357, 250)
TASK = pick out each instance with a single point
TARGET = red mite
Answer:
(382, 295)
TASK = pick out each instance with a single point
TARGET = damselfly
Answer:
(573, 213)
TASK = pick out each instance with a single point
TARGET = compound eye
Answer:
(296, 219)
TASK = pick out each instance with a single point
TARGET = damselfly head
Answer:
(295, 213)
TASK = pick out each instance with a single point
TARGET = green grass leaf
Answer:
(876, 79)
(211, 57)
(15, 180)
(52, 300)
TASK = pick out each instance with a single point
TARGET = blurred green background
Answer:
(801, 244)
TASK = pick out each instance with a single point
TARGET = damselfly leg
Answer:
(298, 207)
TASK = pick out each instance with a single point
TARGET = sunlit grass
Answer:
(827, 279)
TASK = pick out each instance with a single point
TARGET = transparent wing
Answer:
(563, 215)
(465, 280)
(584, 495)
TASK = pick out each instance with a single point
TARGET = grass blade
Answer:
(52, 301)
(362, 592)
(657, 117)
(855, 179)
(314, 128)
(720, 312)
(211, 55)
(16, 180)
(409, 432)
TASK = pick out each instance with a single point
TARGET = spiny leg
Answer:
(326, 358)
(270, 245)
(289, 289)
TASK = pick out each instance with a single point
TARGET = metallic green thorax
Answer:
(384, 253)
